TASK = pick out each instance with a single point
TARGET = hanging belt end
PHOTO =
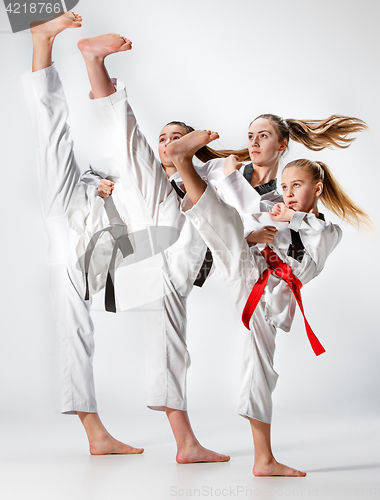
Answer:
(319, 350)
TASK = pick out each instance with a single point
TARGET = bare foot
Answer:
(197, 453)
(99, 47)
(110, 446)
(56, 24)
(189, 144)
(273, 468)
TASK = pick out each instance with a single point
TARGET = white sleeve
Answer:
(131, 149)
(240, 194)
(91, 178)
(319, 237)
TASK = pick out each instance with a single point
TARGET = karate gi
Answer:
(73, 212)
(222, 230)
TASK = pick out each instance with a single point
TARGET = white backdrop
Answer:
(214, 64)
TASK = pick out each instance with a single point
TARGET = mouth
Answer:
(292, 203)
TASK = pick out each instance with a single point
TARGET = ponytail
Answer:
(320, 134)
(314, 134)
(333, 195)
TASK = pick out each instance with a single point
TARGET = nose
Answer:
(255, 141)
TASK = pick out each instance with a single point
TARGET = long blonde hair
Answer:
(333, 195)
(316, 135)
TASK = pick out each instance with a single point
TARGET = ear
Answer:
(283, 146)
(318, 189)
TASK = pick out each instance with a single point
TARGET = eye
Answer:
(162, 139)
(296, 184)
(175, 138)
(263, 136)
(284, 188)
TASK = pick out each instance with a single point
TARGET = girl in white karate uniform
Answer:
(220, 225)
(72, 211)
(65, 203)
(136, 164)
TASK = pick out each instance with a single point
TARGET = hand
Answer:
(281, 213)
(231, 164)
(105, 188)
(265, 234)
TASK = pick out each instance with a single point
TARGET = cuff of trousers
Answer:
(41, 73)
(69, 410)
(296, 221)
(261, 419)
(46, 77)
(172, 403)
(119, 95)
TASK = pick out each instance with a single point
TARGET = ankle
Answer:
(187, 444)
(42, 39)
(264, 459)
(92, 61)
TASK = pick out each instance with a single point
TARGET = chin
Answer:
(167, 165)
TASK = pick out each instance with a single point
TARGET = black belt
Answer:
(119, 231)
(207, 262)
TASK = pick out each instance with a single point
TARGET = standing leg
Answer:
(265, 463)
(259, 382)
(58, 177)
(221, 228)
(167, 363)
(189, 450)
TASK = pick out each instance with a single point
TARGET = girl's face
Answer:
(300, 192)
(168, 134)
(263, 145)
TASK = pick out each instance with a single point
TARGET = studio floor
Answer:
(46, 458)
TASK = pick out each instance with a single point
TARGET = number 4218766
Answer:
(34, 8)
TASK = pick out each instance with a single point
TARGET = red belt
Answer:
(284, 271)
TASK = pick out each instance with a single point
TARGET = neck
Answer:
(314, 210)
(262, 175)
(169, 170)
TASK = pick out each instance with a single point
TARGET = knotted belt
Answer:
(284, 271)
(119, 232)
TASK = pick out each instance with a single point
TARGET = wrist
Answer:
(288, 215)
